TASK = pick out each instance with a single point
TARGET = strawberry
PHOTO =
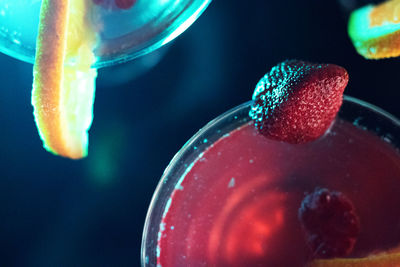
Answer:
(297, 101)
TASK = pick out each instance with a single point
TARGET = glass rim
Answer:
(168, 34)
(206, 128)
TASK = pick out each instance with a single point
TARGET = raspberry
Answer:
(125, 4)
(297, 101)
(112, 4)
(330, 223)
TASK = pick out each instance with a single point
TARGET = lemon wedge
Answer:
(390, 259)
(375, 30)
(64, 82)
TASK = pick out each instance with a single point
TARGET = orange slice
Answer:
(375, 30)
(379, 260)
(64, 82)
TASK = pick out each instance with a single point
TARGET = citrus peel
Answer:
(64, 82)
(384, 259)
(375, 30)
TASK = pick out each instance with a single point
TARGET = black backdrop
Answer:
(91, 212)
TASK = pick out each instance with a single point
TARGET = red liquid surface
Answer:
(238, 205)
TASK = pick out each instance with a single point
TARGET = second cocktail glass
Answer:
(124, 34)
(232, 197)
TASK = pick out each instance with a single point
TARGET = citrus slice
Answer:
(390, 259)
(64, 82)
(375, 30)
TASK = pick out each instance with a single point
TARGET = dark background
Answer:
(59, 212)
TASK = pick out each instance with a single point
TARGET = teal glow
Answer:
(185, 24)
(179, 187)
(188, 169)
(363, 36)
(162, 227)
(169, 202)
(275, 88)
(19, 39)
(359, 29)
(158, 251)
(167, 206)
(160, 21)
(107, 152)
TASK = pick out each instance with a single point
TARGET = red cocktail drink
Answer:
(233, 197)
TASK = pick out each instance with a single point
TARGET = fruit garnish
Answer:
(384, 259)
(375, 30)
(125, 4)
(64, 82)
(297, 101)
(330, 223)
(110, 4)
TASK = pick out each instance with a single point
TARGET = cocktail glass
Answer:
(231, 197)
(124, 34)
